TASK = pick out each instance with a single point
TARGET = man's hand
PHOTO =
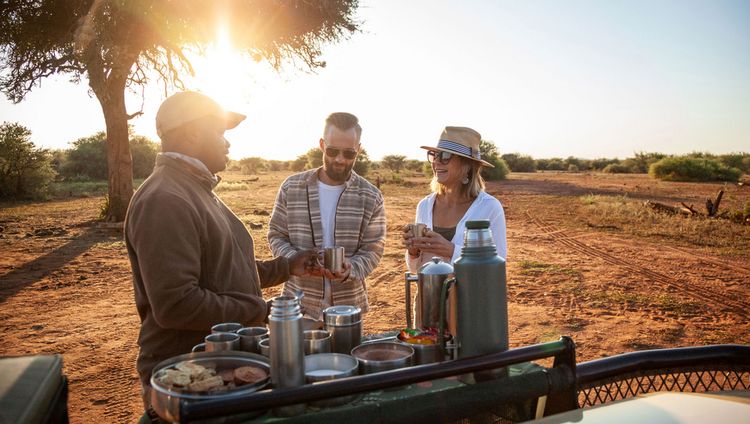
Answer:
(338, 277)
(304, 263)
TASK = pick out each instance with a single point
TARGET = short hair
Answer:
(343, 121)
(475, 185)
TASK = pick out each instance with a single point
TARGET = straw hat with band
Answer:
(460, 141)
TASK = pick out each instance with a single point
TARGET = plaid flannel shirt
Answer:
(360, 228)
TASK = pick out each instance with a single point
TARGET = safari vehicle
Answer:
(706, 383)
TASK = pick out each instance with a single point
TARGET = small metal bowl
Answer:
(330, 366)
(166, 399)
(382, 356)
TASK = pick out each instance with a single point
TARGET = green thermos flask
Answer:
(481, 294)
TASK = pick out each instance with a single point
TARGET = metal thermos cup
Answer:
(287, 349)
(481, 292)
(344, 323)
(333, 259)
(429, 281)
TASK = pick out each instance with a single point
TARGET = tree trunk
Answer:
(119, 161)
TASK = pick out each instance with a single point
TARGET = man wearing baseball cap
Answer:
(192, 259)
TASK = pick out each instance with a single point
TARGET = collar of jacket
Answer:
(202, 177)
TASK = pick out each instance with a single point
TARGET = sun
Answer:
(222, 72)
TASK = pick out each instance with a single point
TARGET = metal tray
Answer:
(166, 399)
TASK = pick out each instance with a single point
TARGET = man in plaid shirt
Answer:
(331, 206)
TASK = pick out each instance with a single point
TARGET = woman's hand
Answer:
(407, 238)
(434, 244)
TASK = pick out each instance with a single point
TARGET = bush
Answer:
(488, 150)
(252, 165)
(601, 163)
(617, 168)
(641, 163)
(573, 168)
(86, 160)
(314, 158)
(519, 163)
(394, 162)
(740, 161)
(363, 164)
(298, 164)
(144, 152)
(685, 168)
(25, 170)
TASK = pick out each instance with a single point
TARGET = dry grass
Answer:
(629, 216)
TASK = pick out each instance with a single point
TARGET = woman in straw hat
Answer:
(457, 196)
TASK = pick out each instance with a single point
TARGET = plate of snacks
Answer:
(205, 375)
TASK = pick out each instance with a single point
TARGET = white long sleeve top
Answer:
(484, 206)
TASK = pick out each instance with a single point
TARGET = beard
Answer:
(338, 175)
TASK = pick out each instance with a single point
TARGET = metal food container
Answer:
(344, 323)
(166, 399)
(330, 366)
(427, 353)
(383, 356)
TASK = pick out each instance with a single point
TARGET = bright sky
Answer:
(547, 78)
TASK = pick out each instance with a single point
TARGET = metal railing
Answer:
(688, 369)
(558, 382)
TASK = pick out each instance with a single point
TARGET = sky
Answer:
(547, 78)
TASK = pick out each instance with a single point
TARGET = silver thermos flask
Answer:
(287, 348)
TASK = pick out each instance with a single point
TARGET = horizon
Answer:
(583, 79)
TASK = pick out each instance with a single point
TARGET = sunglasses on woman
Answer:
(442, 157)
(349, 154)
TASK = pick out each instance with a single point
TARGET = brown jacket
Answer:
(360, 229)
(193, 263)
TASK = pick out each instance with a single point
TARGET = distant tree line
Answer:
(27, 171)
(697, 166)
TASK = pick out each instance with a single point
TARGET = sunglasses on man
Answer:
(349, 154)
(442, 157)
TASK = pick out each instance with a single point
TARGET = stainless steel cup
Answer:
(417, 230)
(333, 259)
(222, 341)
(265, 347)
(317, 341)
(226, 327)
(250, 337)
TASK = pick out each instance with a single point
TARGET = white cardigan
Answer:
(484, 206)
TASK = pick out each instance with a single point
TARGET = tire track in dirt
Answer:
(702, 257)
(709, 296)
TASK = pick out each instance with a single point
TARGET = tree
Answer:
(488, 150)
(25, 170)
(394, 162)
(86, 159)
(519, 163)
(362, 165)
(121, 44)
(298, 164)
(144, 152)
(251, 165)
(314, 158)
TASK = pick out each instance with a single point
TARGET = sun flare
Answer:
(222, 72)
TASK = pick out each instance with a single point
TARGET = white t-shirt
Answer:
(329, 199)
